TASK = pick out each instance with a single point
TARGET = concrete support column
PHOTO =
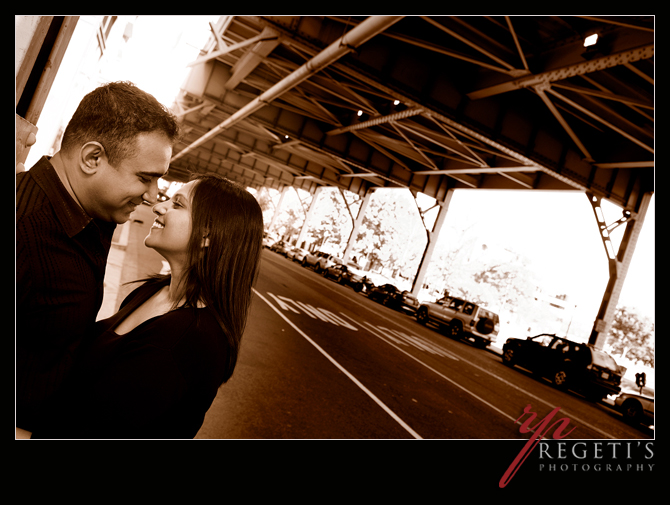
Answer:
(618, 266)
(310, 213)
(433, 236)
(357, 224)
(284, 190)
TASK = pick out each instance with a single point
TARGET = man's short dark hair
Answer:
(114, 115)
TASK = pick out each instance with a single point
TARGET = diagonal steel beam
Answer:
(586, 67)
(215, 54)
(414, 111)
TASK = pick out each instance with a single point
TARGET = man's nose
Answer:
(151, 195)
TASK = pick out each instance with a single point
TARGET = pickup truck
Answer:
(461, 319)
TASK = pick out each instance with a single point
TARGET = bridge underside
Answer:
(432, 104)
(427, 103)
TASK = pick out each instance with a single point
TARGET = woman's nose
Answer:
(159, 208)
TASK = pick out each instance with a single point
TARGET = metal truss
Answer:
(425, 103)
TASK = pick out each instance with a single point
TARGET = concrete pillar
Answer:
(433, 236)
(357, 224)
(310, 213)
(278, 208)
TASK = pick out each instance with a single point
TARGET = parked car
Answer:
(320, 260)
(569, 365)
(280, 247)
(347, 275)
(461, 319)
(268, 240)
(409, 303)
(636, 408)
(383, 294)
(296, 254)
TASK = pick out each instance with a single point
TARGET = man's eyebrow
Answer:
(151, 174)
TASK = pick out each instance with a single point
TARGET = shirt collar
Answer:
(73, 218)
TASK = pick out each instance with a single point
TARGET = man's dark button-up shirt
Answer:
(61, 255)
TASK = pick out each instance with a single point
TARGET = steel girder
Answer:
(445, 102)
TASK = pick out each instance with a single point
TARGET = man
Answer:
(114, 149)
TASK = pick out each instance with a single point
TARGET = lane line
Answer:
(423, 344)
(572, 417)
(343, 370)
(577, 419)
(373, 331)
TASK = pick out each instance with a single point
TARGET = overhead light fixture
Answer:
(593, 46)
(396, 102)
(591, 40)
(359, 113)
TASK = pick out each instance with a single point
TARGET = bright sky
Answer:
(556, 229)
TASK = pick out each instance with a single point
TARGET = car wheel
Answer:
(632, 411)
(455, 329)
(508, 357)
(560, 378)
(358, 287)
(422, 315)
(304, 262)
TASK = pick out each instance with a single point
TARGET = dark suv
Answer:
(569, 365)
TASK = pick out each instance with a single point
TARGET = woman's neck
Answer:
(175, 290)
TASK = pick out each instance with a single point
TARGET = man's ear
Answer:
(91, 156)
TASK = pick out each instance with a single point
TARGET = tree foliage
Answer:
(631, 336)
(392, 236)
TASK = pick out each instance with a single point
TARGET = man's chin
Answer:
(121, 218)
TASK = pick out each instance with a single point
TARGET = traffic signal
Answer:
(640, 379)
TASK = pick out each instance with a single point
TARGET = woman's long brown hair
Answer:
(222, 274)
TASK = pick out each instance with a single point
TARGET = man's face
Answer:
(117, 191)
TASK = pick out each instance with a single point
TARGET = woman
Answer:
(155, 366)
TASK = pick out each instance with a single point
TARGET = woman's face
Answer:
(171, 231)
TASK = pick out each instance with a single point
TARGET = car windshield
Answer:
(543, 340)
(603, 359)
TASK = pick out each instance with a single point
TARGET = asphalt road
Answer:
(319, 361)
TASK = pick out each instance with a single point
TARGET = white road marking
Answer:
(343, 370)
(374, 330)
(572, 417)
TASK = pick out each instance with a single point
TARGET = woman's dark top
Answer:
(156, 381)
